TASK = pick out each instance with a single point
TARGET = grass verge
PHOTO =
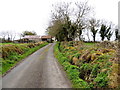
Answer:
(8, 63)
(72, 70)
(88, 65)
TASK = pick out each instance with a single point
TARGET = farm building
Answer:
(32, 38)
(46, 38)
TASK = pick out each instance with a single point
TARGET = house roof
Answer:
(31, 37)
(46, 37)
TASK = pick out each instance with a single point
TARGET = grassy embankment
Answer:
(13, 53)
(88, 65)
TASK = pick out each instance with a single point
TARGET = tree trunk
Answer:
(88, 36)
(94, 38)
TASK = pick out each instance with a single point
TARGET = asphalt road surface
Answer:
(39, 70)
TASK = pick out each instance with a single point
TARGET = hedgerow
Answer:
(12, 54)
(72, 70)
(87, 66)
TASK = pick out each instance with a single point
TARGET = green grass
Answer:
(13, 59)
(90, 44)
(87, 72)
(71, 70)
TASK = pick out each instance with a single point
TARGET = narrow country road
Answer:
(39, 70)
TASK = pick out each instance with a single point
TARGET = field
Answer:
(13, 53)
(89, 65)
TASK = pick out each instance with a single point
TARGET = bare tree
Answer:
(82, 11)
(87, 33)
(60, 11)
(3, 34)
(104, 31)
(61, 22)
(94, 24)
(8, 35)
(12, 35)
(116, 34)
(69, 28)
(109, 35)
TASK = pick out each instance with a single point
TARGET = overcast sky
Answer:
(20, 15)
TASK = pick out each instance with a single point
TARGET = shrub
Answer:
(101, 80)
(64, 59)
(85, 70)
(77, 55)
(95, 70)
(104, 56)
